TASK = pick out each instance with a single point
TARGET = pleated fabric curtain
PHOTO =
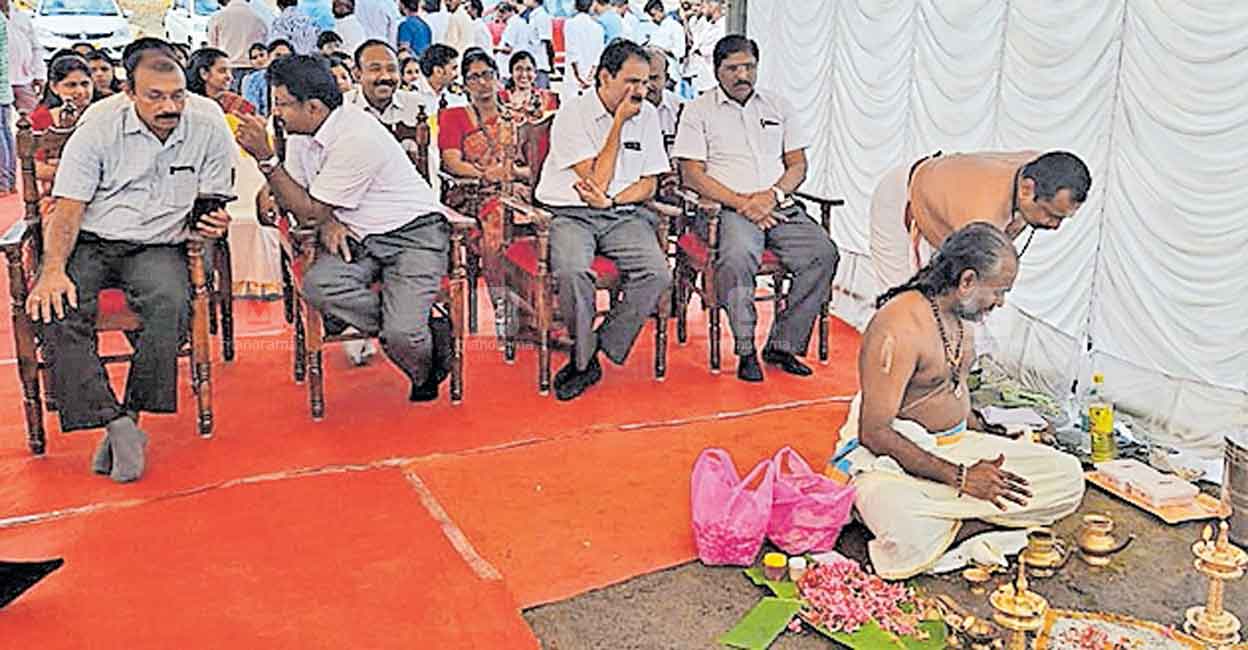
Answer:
(1153, 94)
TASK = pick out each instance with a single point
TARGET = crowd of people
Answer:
(945, 226)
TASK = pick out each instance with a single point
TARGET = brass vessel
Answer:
(1045, 552)
(1018, 609)
(1219, 561)
(1096, 540)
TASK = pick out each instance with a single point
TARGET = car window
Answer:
(79, 8)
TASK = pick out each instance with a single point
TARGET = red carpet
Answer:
(338, 561)
(239, 542)
(563, 517)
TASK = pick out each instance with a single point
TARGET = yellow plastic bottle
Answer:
(1101, 422)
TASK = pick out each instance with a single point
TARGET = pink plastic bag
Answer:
(729, 516)
(808, 509)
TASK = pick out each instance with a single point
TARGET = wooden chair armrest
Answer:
(664, 209)
(526, 214)
(821, 200)
(461, 181)
(458, 221)
(14, 236)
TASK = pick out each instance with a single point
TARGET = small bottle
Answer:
(774, 565)
(797, 568)
(1101, 422)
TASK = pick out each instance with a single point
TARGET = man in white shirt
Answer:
(583, 39)
(666, 102)
(745, 149)
(482, 37)
(378, 219)
(439, 68)
(380, 20)
(348, 26)
(544, 30)
(606, 154)
(436, 17)
(378, 93)
(669, 35)
(232, 30)
(632, 25)
(263, 10)
(27, 71)
(518, 36)
(704, 34)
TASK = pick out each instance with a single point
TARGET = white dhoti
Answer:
(915, 520)
(254, 248)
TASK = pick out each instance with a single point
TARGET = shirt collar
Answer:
(357, 97)
(722, 97)
(325, 135)
(132, 124)
(599, 108)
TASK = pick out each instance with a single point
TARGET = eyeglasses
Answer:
(484, 75)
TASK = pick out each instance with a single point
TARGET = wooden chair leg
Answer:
(301, 348)
(474, 274)
(680, 305)
(28, 373)
(711, 302)
(458, 291)
(510, 324)
(288, 290)
(316, 381)
(225, 295)
(823, 333)
(543, 362)
(201, 355)
(660, 335)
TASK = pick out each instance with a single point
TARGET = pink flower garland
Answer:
(843, 598)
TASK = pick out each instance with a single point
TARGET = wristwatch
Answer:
(269, 164)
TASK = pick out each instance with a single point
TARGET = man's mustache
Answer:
(744, 83)
(168, 116)
(387, 82)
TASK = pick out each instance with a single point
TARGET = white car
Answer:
(59, 24)
(186, 22)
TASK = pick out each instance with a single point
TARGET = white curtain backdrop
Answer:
(1152, 94)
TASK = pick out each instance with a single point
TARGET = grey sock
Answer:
(128, 443)
(103, 461)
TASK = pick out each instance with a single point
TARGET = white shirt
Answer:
(632, 27)
(352, 32)
(518, 36)
(432, 100)
(670, 36)
(484, 39)
(579, 132)
(437, 22)
(701, 67)
(404, 108)
(354, 164)
(583, 44)
(380, 20)
(25, 54)
(265, 12)
(544, 28)
(743, 146)
(233, 30)
(669, 111)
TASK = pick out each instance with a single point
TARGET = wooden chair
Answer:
(695, 269)
(531, 310)
(310, 336)
(22, 247)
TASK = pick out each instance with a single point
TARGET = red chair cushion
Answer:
(696, 249)
(523, 254)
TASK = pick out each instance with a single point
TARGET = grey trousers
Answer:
(156, 284)
(410, 262)
(805, 250)
(627, 237)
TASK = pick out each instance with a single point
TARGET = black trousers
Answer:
(157, 287)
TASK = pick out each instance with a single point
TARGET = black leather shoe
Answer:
(748, 368)
(428, 391)
(569, 385)
(332, 325)
(787, 362)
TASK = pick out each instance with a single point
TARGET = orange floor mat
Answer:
(262, 422)
(335, 561)
(558, 519)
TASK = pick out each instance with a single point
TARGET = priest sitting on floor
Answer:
(912, 445)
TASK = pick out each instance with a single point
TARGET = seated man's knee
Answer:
(417, 341)
(738, 259)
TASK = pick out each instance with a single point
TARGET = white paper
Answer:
(1008, 416)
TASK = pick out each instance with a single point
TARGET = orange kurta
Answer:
(953, 190)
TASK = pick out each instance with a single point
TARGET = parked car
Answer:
(59, 24)
(187, 22)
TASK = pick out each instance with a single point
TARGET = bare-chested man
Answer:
(916, 206)
(912, 444)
